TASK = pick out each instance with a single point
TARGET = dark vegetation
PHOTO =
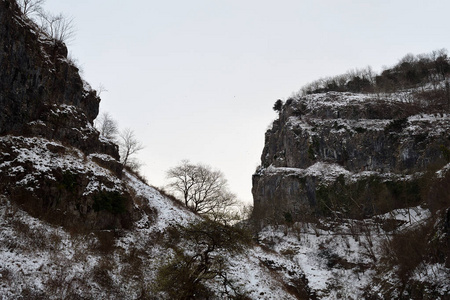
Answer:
(278, 105)
(187, 274)
(366, 197)
(113, 202)
(69, 182)
(411, 71)
(411, 250)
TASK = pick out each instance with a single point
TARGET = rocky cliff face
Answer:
(327, 147)
(52, 160)
(38, 82)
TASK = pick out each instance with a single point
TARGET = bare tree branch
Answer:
(29, 7)
(184, 179)
(107, 126)
(129, 145)
(58, 27)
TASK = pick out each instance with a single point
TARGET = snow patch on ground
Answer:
(35, 152)
(168, 214)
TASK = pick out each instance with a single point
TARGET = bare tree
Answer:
(183, 179)
(226, 210)
(441, 63)
(59, 27)
(107, 126)
(100, 89)
(203, 190)
(30, 7)
(209, 189)
(129, 146)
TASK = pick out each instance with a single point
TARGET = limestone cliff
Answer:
(37, 83)
(351, 153)
(53, 161)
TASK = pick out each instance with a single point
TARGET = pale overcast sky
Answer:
(197, 79)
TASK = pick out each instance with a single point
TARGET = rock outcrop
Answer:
(38, 83)
(53, 161)
(327, 147)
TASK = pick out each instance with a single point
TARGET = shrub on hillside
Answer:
(410, 72)
(186, 276)
(113, 202)
(366, 197)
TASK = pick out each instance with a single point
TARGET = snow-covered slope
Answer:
(40, 260)
(346, 259)
(328, 260)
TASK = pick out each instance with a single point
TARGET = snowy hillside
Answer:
(329, 259)
(39, 260)
(345, 259)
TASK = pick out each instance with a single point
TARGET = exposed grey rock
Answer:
(46, 118)
(360, 134)
(37, 78)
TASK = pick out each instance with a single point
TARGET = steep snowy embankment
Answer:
(343, 258)
(42, 260)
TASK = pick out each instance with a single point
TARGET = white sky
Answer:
(197, 79)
